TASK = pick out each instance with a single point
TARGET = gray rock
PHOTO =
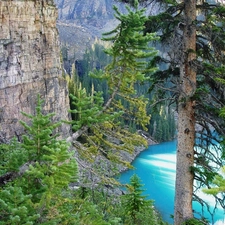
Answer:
(29, 63)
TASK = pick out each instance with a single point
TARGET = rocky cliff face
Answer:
(29, 63)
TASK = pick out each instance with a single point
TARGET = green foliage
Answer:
(218, 184)
(54, 168)
(130, 52)
(193, 221)
(105, 120)
(94, 59)
(40, 133)
(77, 83)
(137, 209)
(162, 125)
(73, 81)
(16, 208)
(81, 212)
(45, 180)
(64, 52)
(100, 202)
(12, 156)
(88, 109)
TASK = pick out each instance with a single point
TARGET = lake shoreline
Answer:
(137, 150)
(156, 167)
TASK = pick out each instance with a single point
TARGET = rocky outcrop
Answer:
(29, 63)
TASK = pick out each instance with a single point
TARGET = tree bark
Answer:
(186, 118)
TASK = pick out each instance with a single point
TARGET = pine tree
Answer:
(130, 51)
(99, 131)
(191, 34)
(16, 208)
(38, 191)
(137, 209)
(40, 134)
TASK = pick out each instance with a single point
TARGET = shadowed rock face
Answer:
(29, 63)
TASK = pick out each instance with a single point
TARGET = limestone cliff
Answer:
(29, 63)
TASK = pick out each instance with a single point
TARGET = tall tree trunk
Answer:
(186, 118)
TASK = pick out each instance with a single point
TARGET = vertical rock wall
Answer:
(29, 63)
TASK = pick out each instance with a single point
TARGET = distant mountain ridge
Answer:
(81, 21)
(94, 13)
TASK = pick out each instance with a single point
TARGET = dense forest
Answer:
(121, 88)
(162, 124)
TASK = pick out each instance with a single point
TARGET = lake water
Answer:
(156, 167)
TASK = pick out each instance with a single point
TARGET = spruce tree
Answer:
(130, 51)
(16, 207)
(99, 133)
(137, 209)
(191, 38)
(41, 185)
(39, 134)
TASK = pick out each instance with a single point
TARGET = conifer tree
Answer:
(41, 184)
(99, 131)
(137, 209)
(12, 157)
(40, 134)
(16, 208)
(191, 34)
(129, 66)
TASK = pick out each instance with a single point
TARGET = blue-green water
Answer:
(156, 167)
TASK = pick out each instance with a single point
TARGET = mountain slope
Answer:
(81, 21)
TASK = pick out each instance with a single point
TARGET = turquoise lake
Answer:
(156, 167)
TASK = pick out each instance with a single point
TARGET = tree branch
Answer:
(9, 176)
(84, 128)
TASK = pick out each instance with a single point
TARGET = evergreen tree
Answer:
(191, 34)
(95, 59)
(162, 125)
(40, 134)
(159, 131)
(99, 132)
(12, 157)
(39, 186)
(137, 209)
(16, 208)
(129, 52)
